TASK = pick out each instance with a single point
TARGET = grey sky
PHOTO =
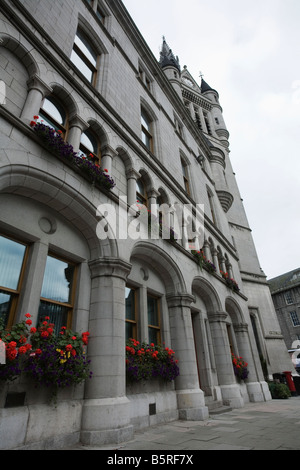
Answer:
(249, 52)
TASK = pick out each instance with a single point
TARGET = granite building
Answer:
(83, 69)
(285, 291)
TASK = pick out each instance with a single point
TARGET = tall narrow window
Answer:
(84, 57)
(54, 115)
(141, 195)
(90, 145)
(147, 137)
(211, 205)
(185, 176)
(153, 319)
(130, 308)
(12, 263)
(57, 296)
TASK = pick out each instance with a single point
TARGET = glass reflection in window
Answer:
(57, 292)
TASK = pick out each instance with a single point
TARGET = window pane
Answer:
(86, 49)
(11, 260)
(130, 303)
(145, 122)
(130, 330)
(54, 111)
(58, 314)
(81, 65)
(153, 335)
(58, 280)
(89, 142)
(146, 140)
(5, 303)
(153, 318)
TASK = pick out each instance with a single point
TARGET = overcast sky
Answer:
(250, 53)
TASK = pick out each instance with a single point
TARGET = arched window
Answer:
(147, 133)
(85, 57)
(141, 194)
(90, 145)
(54, 115)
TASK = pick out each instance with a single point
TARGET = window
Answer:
(295, 318)
(207, 123)
(85, 57)
(98, 10)
(90, 145)
(185, 176)
(54, 115)
(57, 296)
(130, 309)
(147, 137)
(12, 264)
(153, 319)
(288, 298)
(211, 205)
(141, 195)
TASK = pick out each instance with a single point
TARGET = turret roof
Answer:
(167, 57)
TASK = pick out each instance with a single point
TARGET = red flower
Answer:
(22, 349)
(33, 330)
(38, 351)
(27, 315)
(35, 117)
(28, 322)
(69, 347)
(105, 170)
(44, 334)
(32, 123)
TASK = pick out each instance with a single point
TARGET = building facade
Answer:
(285, 291)
(84, 69)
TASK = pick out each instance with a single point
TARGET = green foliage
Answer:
(279, 391)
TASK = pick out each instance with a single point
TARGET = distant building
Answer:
(84, 68)
(285, 291)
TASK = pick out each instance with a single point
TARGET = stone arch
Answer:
(162, 263)
(63, 198)
(125, 157)
(208, 294)
(65, 97)
(20, 51)
(234, 311)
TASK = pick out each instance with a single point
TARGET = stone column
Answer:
(190, 398)
(76, 127)
(257, 388)
(227, 381)
(107, 155)
(37, 90)
(106, 410)
(132, 177)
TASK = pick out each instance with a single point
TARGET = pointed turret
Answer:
(171, 67)
(167, 58)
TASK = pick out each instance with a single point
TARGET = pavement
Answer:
(272, 425)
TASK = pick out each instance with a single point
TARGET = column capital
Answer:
(36, 83)
(132, 174)
(114, 267)
(76, 121)
(108, 150)
(217, 317)
(240, 327)
(180, 300)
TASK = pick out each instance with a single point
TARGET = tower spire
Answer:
(167, 57)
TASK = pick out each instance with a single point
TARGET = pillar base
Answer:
(191, 405)
(106, 421)
(258, 391)
(231, 396)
